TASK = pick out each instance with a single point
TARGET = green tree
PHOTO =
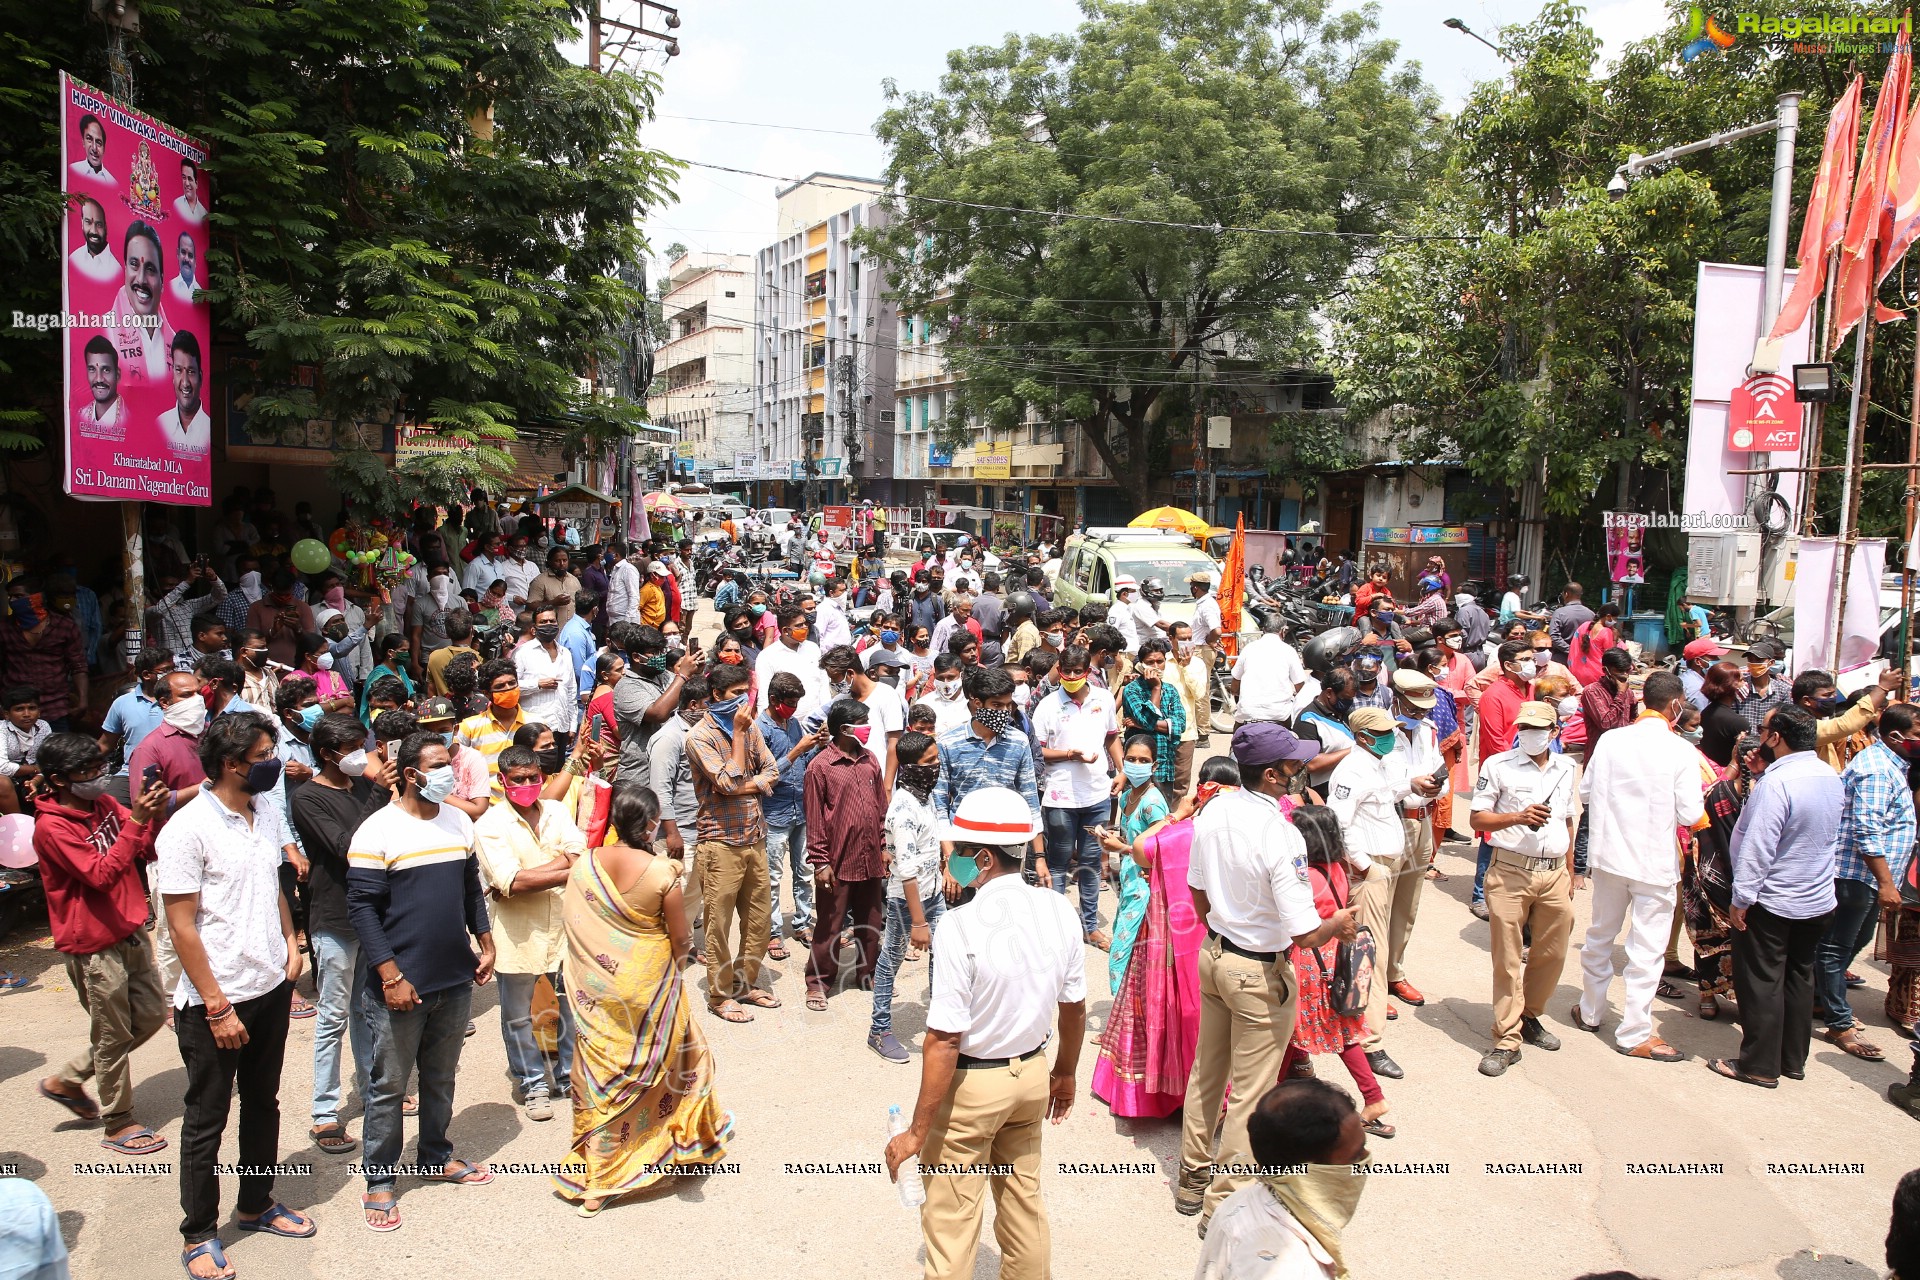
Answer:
(419, 212)
(1268, 114)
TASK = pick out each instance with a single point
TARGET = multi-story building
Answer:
(706, 361)
(823, 350)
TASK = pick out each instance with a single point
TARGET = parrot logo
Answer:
(1703, 35)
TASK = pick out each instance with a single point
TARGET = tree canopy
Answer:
(1041, 177)
(419, 212)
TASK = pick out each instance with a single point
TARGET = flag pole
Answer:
(1850, 485)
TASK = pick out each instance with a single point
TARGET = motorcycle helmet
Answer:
(1020, 604)
(1324, 651)
(1154, 590)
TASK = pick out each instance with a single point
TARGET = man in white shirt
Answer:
(103, 413)
(549, 692)
(1078, 734)
(796, 653)
(886, 709)
(623, 586)
(1641, 784)
(1125, 617)
(181, 287)
(1287, 1226)
(1364, 792)
(1417, 746)
(186, 427)
(488, 566)
(830, 617)
(1004, 966)
(1248, 875)
(94, 259)
(188, 205)
(1206, 610)
(1268, 678)
(518, 570)
(1523, 802)
(92, 166)
(960, 605)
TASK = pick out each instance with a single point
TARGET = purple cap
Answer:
(1258, 743)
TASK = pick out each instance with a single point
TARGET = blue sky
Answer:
(817, 70)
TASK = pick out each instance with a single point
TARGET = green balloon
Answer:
(310, 555)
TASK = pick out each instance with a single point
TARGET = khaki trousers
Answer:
(986, 1134)
(1246, 1020)
(163, 955)
(1404, 907)
(1374, 897)
(120, 990)
(733, 881)
(1515, 899)
(1183, 769)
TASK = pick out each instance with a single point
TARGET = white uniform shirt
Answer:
(1252, 1236)
(557, 708)
(482, 572)
(208, 849)
(1511, 781)
(1252, 865)
(1419, 754)
(1206, 617)
(1062, 724)
(1364, 792)
(1002, 963)
(1122, 618)
(1642, 783)
(1271, 677)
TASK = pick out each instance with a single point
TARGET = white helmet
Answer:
(991, 815)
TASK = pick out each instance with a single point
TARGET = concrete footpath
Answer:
(1575, 1161)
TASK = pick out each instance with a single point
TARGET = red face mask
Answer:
(783, 710)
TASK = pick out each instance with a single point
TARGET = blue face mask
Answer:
(1139, 772)
(310, 716)
(889, 637)
(1382, 746)
(722, 712)
(437, 784)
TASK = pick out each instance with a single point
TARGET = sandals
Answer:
(469, 1175)
(1730, 1069)
(302, 1007)
(269, 1222)
(777, 950)
(1378, 1128)
(817, 1001)
(729, 1011)
(11, 981)
(83, 1106)
(1709, 1007)
(332, 1139)
(141, 1142)
(1667, 990)
(409, 1106)
(207, 1249)
(1652, 1049)
(391, 1208)
(1850, 1041)
(761, 999)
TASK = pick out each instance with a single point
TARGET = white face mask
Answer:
(1526, 671)
(1534, 741)
(1568, 706)
(325, 660)
(189, 715)
(948, 688)
(1455, 641)
(354, 763)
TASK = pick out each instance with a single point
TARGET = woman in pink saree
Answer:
(1146, 1050)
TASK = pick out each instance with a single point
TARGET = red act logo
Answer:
(1763, 416)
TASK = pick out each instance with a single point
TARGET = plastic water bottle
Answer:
(913, 1192)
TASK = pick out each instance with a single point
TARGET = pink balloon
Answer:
(16, 841)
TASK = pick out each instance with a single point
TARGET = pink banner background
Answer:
(135, 242)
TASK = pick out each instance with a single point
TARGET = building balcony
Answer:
(716, 340)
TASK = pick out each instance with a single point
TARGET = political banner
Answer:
(134, 236)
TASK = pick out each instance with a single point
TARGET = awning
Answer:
(1231, 474)
(578, 493)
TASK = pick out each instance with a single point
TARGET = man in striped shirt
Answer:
(491, 732)
(414, 896)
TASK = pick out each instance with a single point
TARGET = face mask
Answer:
(995, 720)
(447, 738)
(523, 795)
(1768, 752)
(436, 785)
(860, 732)
(947, 688)
(723, 710)
(547, 631)
(1541, 657)
(1693, 734)
(756, 609)
(841, 688)
(1568, 706)
(253, 657)
(550, 759)
(89, 791)
(1073, 685)
(653, 663)
(354, 763)
(310, 716)
(1534, 741)
(1455, 641)
(889, 638)
(1323, 1200)
(674, 644)
(798, 635)
(1139, 772)
(919, 778)
(1525, 669)
(189, 715)
(1828, 705)
(506, 699)
(1382, 746)
(261, 775)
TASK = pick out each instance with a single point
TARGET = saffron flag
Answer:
(1859, 251)
(1826, 209)
(1903, 199)
(1233, 588)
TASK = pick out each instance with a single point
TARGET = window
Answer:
(816, 355)
(816, 286)
(906, 331)
(729, 293)
(853, 277)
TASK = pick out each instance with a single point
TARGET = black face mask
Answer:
(1768, 752)
(550, 760)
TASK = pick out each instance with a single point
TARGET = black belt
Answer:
(1228, 944)
(968, 1062)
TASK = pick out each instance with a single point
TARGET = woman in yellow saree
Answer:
(643, 1100)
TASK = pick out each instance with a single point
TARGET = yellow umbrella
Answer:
(1170, 518)
(661, 500)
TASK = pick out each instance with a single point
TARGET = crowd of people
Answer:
(471, 748)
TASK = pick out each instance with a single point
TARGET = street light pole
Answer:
(1465, 30)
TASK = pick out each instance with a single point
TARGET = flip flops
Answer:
(391, 1209)
(11, 981)
(470, 1175)
(120, 1144)
(205, 1249)
(83, 1106)
(1730, 1069)
(270, 1223)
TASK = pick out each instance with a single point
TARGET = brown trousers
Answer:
(733, 882)
(986, 1134)
(866, 899)
(120, 990)
(1517, 898)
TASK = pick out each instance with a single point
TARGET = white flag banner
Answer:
(1816, 594)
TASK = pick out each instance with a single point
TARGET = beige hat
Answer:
(1372, 719)
(1414, 687)
(1536, 715)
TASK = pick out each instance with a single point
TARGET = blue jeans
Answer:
(427, 1037)
(525, 1062)
(1073, 850)
(893, 949)
(788, 845)
(340, 1012)
(1482, 860)
(1854, 918)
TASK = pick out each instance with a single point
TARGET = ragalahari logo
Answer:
(1703, 35)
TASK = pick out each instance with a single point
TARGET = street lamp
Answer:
(1813, 383)
(1465, 30)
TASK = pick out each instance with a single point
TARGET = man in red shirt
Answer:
(89, 848)
(174, 751)
(1498, 707)
(846, 812)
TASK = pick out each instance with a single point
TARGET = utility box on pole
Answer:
(1723, 568)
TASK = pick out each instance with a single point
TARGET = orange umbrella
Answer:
(1233, 591)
